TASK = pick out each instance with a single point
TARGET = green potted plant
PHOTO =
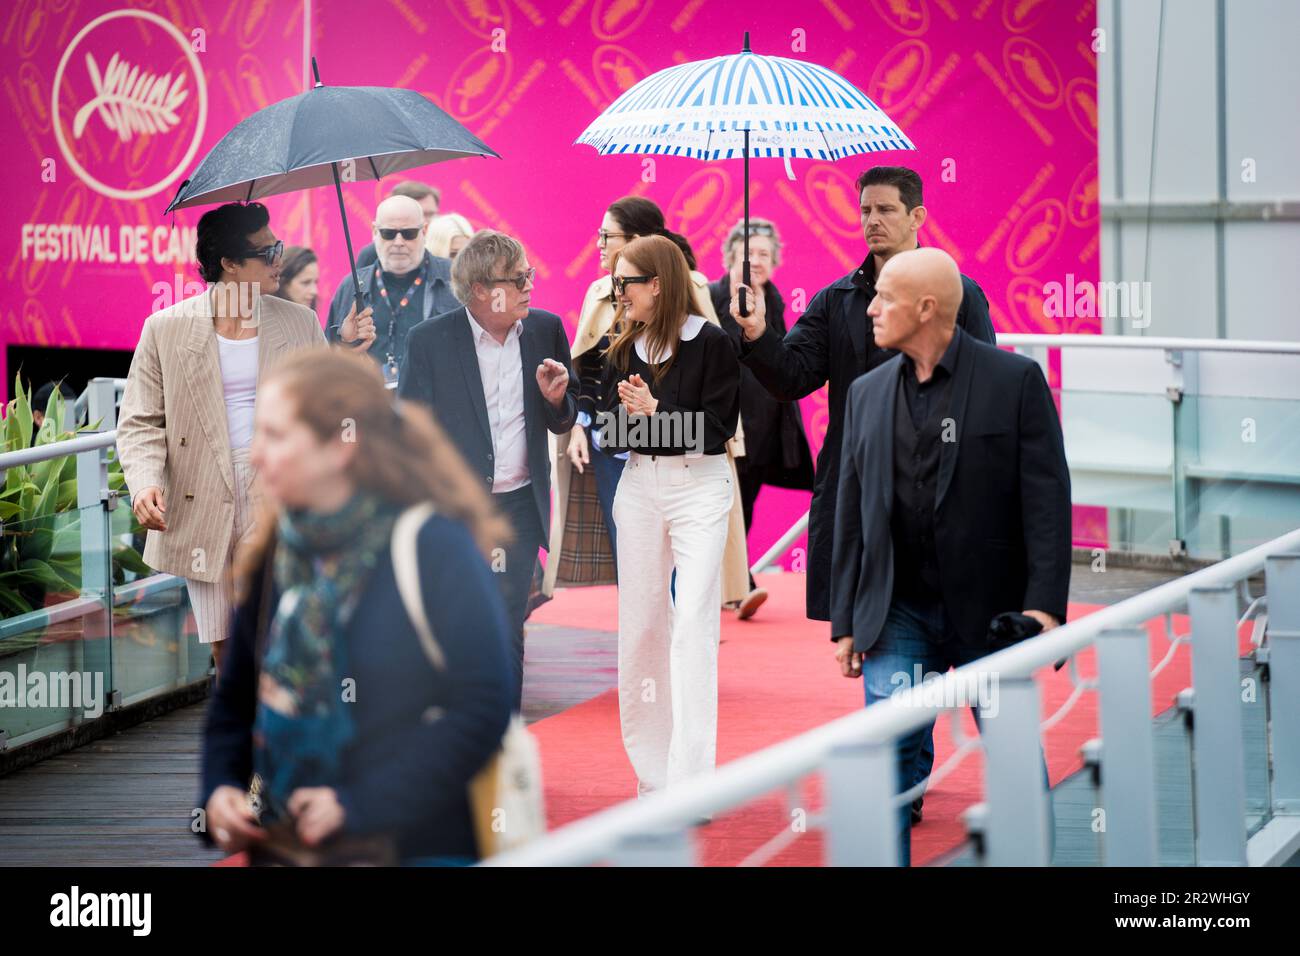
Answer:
(40, 525)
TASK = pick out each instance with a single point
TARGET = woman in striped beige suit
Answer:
(187, 412)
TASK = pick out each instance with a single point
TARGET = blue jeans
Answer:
(919, 636)
(608, 470)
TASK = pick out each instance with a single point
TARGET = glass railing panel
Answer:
(55, 653)
(155, 642)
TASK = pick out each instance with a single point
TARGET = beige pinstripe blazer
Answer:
(172, 431)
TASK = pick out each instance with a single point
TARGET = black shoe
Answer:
(916, 810)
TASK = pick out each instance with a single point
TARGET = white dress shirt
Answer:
(501, 369)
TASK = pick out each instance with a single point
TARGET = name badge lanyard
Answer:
(390, 364)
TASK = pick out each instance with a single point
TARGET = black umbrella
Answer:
(299, 143)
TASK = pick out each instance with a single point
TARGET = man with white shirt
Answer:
(498, 376)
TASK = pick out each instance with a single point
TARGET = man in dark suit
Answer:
(832, 342)
(954, 495)
(498, 376)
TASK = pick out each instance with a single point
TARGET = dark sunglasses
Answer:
(622, 282)
(267, 254)
(520, 280)
(388, 235)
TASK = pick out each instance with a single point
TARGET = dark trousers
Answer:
(751, 482)
(917, 636)
(515, 573)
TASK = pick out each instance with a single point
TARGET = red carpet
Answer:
(778, 678)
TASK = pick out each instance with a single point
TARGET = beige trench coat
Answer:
(172, 432)
(579, 553)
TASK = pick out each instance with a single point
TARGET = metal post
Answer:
(1128, 748)
(1186, 450)
(861, 819)
(1219, 786)
(1282, 584)
(101, 404)
(669, 848)
(1013, 777)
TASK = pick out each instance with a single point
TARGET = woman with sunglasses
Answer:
(583, 537)
(187, 411)
(670, 397)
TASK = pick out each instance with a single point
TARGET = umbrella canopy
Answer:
(293, 144)
(790, 108)
(745, 105)
(299, 143)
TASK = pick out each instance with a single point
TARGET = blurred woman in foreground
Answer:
(362, 748)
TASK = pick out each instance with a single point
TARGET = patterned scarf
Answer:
(322, 563)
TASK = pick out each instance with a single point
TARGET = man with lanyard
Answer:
(404, 287)
(832, 342)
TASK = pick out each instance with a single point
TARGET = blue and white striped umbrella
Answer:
(791, 108)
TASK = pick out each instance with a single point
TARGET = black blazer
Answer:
(1002, 504)
(775, 444)
(832, 342)
(441, 370)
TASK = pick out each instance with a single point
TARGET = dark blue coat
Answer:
(403, 773)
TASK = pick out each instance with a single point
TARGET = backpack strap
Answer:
(406, 571)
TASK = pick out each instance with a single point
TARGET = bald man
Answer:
(954, 496)
(404, 287)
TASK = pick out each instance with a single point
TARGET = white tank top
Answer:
(239, 382)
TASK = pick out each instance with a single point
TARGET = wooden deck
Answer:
(128, 800)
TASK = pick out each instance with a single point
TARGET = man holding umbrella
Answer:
(405, 286)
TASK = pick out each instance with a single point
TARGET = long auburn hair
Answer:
(654, 256)
(402, 453)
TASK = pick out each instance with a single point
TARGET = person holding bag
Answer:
(359, 746)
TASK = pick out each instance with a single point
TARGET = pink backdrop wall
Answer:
(998, 95)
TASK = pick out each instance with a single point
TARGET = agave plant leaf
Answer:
(68, 568)
(67, 498)
(43, 573)
(18, 417)
(127, 557)
(67, 534)
(12, 603)
(48, 498)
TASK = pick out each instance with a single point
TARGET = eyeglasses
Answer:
(622, 282)
(603, 237)
(388, 235)
(267, 254)
(520, 280)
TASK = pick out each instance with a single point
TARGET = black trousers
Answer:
(515, 572)
(751, 482)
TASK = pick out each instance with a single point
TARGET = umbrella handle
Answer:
(347, 238)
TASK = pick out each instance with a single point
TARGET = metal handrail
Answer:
(1028, 340)
(596, 837)
(1072, 340)
(58, 449)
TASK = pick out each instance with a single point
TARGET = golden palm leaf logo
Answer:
(617, 11)
(478, 12)
(474, 84)
(130, 100)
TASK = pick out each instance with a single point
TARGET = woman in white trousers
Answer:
(671, 398)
